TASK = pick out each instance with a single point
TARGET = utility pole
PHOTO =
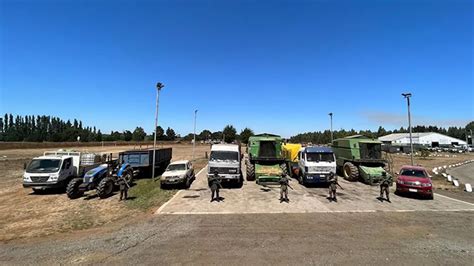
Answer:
(159, 86)
(407, 96)
(332, 138)
(194, 140)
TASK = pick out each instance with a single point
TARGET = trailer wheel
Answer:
(250, 171)
(351, 172)
(105, 188)
(72, 189)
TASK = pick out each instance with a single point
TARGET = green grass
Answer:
(146, 194)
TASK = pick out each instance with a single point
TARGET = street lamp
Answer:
(194, 140)
(330, 114)
(159, 86)
(407, 96)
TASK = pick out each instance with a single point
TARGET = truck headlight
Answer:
(53, 177)
(26, 178)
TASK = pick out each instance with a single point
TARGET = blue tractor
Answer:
(104, 179)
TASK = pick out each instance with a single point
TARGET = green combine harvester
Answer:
(359, 157)
(266, 162)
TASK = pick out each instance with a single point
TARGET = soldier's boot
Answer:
(126, 194)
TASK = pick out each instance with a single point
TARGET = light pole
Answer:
(407, 96)
(159, 86)
(330, 114)
(194, 140)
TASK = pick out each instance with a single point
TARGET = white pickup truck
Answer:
(315, 164)
(225, 159)
(56, 168)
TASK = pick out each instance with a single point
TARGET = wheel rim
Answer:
(347, 171)
(110, 187)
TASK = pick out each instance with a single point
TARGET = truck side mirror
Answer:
(24, 166)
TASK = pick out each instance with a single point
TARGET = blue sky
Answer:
(273, 66)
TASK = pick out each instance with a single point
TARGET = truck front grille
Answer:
(223, 171)
(38, 179)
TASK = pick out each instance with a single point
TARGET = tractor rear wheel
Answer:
(351, 172)
(72, 189)
(105, 188)
(250, 171)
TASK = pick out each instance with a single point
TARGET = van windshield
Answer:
(320, 157)
(43, 166)
(412, 172)
(224, 156)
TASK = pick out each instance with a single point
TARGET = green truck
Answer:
(358, 157)
(265, 162)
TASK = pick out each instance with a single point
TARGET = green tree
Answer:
(245, 134)
(229, 133)
(204, 135)
(170, 134)
(99, 136)
(139, 134)
(127, 135)
(160, 133)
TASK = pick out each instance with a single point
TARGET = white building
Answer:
(430, 139)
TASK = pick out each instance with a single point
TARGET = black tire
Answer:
(162, 186)
(187, 183)
(38, 191)
(105, 188)
(431, 196)
(250, 171)
(240, 183)
(351, 172)
(72, 189)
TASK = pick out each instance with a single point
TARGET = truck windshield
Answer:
(43, 166)
(224, 156)
(415, 173)
(319, 157)
(176, 167)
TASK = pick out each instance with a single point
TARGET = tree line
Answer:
(53, 129)
(323, 137)
(49, 128)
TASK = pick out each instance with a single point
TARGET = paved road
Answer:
(252, 198)
(411, 238)
(464, 173)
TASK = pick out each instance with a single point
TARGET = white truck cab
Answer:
(55, 169)
(315, 164)
(225, 159)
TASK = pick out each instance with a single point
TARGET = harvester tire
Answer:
(351, 172)
(105, 188)
(284, 169)
(250, 171)
(72, 189)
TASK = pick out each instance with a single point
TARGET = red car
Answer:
(415, 179)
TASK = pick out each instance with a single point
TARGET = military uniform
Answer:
(332, 187)
(284, 188)
(215, 183)
(384, 184)
(123, 188)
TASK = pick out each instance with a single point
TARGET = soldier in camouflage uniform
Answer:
(332, 186)
(123, 185)
(215, 184)
(284, 184)
(384, 184)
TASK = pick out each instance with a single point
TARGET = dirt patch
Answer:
(24, 214)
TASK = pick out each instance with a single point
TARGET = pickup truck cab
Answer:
(178, 173)
(225, 159)
(315, 164)
(414, 179)
(56, 168)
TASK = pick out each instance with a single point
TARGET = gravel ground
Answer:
(413, 238)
